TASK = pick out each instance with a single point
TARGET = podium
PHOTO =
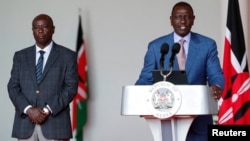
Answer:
(194, 100)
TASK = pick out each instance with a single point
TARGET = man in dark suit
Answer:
(202, 63)
(42, 110)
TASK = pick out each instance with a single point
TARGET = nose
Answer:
(183, 20)
(40, 29)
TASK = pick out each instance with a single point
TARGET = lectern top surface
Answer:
(176, 77)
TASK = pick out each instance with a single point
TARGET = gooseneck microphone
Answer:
(164, 51)
(175, 49)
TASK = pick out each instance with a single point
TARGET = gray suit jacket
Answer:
(57, 89)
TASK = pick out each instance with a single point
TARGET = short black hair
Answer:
(182, 3)
(46, 16)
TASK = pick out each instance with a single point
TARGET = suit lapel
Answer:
(31, 61)
(193, 52)
(51, 60)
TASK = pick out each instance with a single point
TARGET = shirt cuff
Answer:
(47, 106)
(26, 109)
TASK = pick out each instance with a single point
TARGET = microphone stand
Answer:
(165, 75)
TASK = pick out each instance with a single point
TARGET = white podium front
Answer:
(195, 100)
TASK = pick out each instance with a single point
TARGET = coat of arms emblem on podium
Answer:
(164, 99)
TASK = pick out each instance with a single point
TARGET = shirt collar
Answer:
(177, 37)
(46, 49)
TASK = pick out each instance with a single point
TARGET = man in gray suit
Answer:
(42, 111)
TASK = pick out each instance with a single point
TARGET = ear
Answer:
(171, 20)
(54, 29)
(193, 20)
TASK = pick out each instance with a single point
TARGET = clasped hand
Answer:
(37, 115)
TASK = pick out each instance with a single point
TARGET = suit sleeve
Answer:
(150, 62)
(14, 87)
(214, 70)
(68, 88)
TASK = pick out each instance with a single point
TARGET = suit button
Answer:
(37, 91)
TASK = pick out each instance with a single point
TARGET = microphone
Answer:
(175, 49)
(164, 51)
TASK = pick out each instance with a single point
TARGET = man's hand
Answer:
(216, 92)
(36, 115)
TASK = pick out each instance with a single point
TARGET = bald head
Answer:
(45, 17)
(43, 30)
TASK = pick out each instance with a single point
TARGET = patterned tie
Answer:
(181, 56)
(39, 67)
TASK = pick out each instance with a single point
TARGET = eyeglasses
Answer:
(182, 17)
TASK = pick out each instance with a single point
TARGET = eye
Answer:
(41, 27)
(182, 17)
(35, 27)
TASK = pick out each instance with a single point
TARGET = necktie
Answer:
(39, 67)
(181, 56)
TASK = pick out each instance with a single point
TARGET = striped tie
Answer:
(181, 56)
(39, 67)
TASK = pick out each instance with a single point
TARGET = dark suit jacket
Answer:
(57, 89)
(202, 67)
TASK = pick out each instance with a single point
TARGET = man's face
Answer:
(182, 20)
(43, 29)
